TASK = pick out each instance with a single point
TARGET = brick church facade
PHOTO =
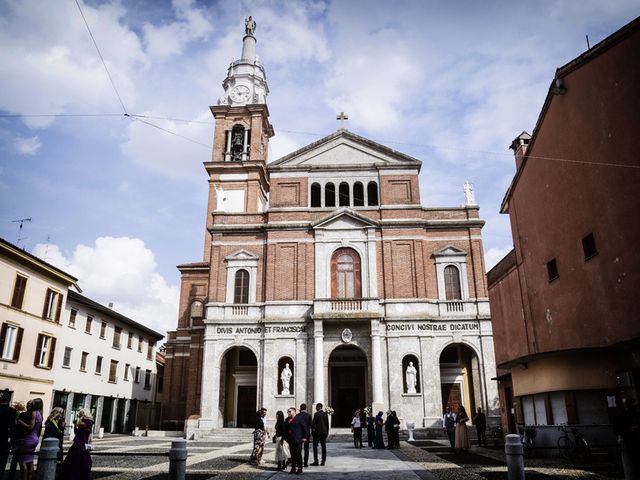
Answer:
(323, 279)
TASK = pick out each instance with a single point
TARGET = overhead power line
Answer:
(101, 58)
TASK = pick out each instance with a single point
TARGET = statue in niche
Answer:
(285, 378)
(410, 376)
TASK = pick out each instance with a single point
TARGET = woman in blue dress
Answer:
(31, 425)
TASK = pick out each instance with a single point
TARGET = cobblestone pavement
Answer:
(424, 460)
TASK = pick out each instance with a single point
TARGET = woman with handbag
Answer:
(260, 433)
(30, 423)
(283, 454)
(77, 464)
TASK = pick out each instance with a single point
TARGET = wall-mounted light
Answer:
(557, 87)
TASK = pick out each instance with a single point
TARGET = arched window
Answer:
(344, 194)
(241, 287)
(358, 195)
(411, 374)
(286, 370)
(316, 195)
(345, 274)
(452, 283)
(372, 193)
(329, 195)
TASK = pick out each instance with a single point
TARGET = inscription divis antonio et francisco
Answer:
(396, 327)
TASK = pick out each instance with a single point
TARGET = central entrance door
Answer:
(238, 387)
(347, 384)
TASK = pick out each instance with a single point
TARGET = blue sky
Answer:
(120, 203)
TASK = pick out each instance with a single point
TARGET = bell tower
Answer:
(238, 178)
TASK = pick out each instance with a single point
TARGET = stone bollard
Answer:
(178, 459)
(47, 459)
(515, 460)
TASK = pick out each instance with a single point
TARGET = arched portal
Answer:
(238, 387)
(347, 383)
(460, 378)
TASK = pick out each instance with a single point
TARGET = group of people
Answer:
(20, 435)
(455, 424)
(292, 436)
(375, 427)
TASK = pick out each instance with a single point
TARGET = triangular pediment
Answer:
(242, 255)
(344, 219)
(344, 149)
(449, 251)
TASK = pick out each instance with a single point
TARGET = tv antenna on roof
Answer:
(21, 221)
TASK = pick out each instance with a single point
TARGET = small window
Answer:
(103, 330)
(372, 194)
(66, 361)
(10, 342)
(552, 270)
(136, 377)
(45, 351)
(316, 195)
(452, 283)
(73, 314)
(98, 365)
(358, 195)
(241, 287)
(83, 361)
(345, 201)
(589, 246)
(150, 351)
(113, 371)
(329, 195)
(18, 291)
(126, 372)
(117, 332)
(147, 380)
(52, 306)
(139, 343)
(87, 325)
(129, 340)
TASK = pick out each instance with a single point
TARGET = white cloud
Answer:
(123, 271)
(27, 146)
(494, 255)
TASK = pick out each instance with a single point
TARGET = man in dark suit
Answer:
(320, 431)
(297, 432)
(7, 429)
(306, 418)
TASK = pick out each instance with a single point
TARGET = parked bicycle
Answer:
(575, 448)
(528, 439)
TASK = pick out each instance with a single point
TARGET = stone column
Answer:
(318, 362)
(376, 362)
(210, 381)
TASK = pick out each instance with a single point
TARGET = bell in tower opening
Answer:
(237, 144)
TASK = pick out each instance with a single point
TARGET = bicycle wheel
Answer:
(565, 446)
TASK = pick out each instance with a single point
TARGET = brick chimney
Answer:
(519, 147)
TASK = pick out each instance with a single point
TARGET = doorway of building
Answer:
(460, 378)
(347, 384)
(238, 387)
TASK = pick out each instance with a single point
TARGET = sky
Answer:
(118, 201)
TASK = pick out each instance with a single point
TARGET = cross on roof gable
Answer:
(344, 149)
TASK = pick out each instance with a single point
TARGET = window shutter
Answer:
(59, 308)
(334, 277)
(18, 292)
(47, 299)
(52, 352)
(16, 349)
(358, 278)
(3, 337)
(38, 349)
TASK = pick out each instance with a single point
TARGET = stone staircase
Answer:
(345, 435)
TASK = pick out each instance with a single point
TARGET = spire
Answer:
(246, 81)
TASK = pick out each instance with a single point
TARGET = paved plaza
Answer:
(120, 457)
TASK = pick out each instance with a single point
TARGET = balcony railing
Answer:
(455, 306)
(239, 310)
(346, 305)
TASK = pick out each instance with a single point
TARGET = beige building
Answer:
(33, 294)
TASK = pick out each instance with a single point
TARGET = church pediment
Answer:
(344, 149)
(344, 219)
(449, 251)
(241, 255)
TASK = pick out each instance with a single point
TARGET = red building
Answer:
(564, 302)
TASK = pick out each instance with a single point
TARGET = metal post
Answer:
(515, 460)
(178, 459)
(48, 459)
